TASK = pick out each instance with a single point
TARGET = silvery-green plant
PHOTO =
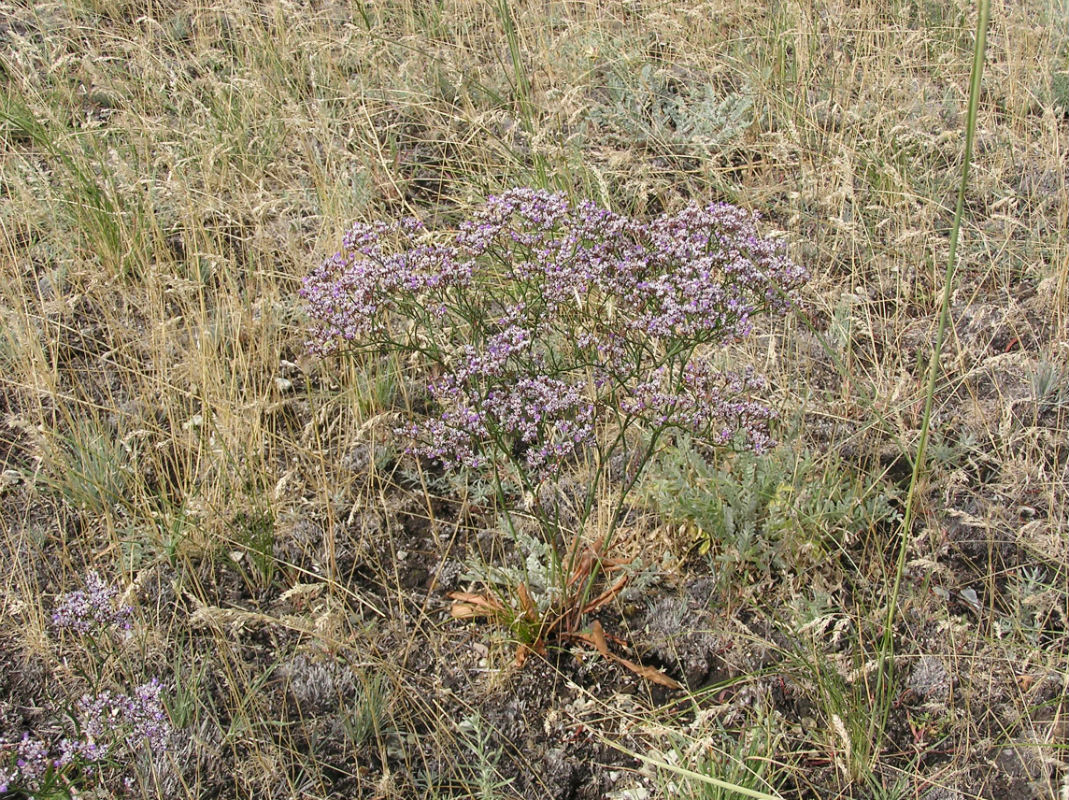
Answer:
(764, 511)
(1050, 386)
(560, 336)
(656, 109)
(487, 781)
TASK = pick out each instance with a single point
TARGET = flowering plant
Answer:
(92, 609)
(111, 728)
(90, 624)
(559, 334)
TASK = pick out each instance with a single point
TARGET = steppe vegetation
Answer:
(228, 573)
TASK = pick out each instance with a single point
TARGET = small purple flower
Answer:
(32, 761)
(711, 404)
(112, 728)
(91, 609)
(139, 720)
(550, 324)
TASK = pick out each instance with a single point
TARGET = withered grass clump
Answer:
(170, 170)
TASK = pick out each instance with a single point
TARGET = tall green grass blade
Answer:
(697, 777)
(92, 209)
(884, 675)
(521, 87)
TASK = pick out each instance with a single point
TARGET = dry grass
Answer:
(169, 171)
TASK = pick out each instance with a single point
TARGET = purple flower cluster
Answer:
(354, 291)
(543, 317)
(107, 722)
(702, 273)
(709, 403)
(137, 720)
(91, 609)
(32, 764)
(540, 421)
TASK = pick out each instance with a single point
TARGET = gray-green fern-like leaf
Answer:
(660, 110)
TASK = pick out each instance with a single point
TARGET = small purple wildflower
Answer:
(551, 324)
(32, 761)
(112, 728)
(138, 719)
(707, 402)
(91, 609)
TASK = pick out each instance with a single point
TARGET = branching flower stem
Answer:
(560, 335)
